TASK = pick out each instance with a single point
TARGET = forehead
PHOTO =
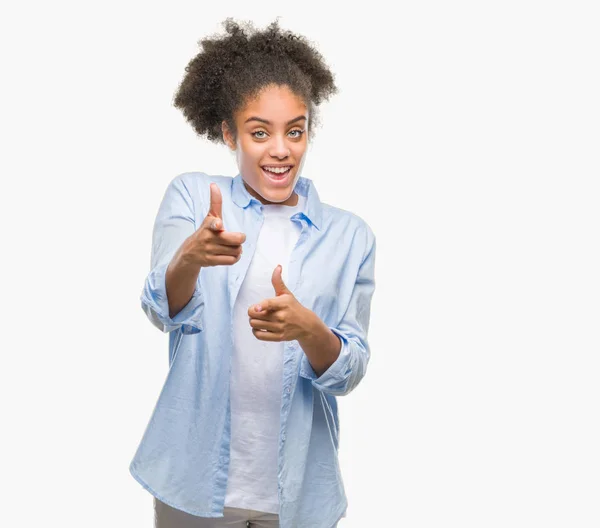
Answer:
(274, 103)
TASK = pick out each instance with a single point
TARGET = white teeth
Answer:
(278, 170)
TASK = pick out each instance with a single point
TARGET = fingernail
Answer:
(258, 308)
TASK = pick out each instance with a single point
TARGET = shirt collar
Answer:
(304, 186)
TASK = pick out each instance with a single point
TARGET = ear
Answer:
(227, 135)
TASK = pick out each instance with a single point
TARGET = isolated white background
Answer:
(465, 133)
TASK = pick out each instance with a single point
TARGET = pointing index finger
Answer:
(230, 238)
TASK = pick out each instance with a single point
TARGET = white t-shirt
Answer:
(257, 371)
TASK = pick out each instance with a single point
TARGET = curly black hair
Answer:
(233, 68)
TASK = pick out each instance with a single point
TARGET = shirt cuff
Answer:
(156, 305)
(337, 373)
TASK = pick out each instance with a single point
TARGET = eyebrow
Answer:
(254, 118)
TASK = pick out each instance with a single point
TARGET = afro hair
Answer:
(230, 69)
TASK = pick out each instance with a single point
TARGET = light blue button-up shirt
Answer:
(183, 456)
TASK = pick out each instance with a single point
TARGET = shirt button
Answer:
(288, 390)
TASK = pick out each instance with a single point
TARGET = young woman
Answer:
(245, 431)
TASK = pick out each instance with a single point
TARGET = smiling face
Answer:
(271, 134)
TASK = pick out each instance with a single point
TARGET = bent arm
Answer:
(171, 297)
(346, 372)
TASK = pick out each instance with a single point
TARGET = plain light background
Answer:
(465, 133)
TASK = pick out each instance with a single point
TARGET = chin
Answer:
(271, 193)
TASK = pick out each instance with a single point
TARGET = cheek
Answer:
(299, 151)
(250, 158)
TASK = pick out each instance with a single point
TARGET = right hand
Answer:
(210, 244)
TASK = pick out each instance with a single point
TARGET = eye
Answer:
(298, 135)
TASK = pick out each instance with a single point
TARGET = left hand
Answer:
(282, 316)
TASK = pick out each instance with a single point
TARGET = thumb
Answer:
(277, 281)
(215, 210)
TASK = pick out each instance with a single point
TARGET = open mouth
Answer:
(278, 177)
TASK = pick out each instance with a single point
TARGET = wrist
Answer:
(185, 259)
(311, 325)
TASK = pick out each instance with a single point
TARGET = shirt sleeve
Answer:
(174, 223)
(349, 368)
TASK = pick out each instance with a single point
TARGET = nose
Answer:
(279, 149)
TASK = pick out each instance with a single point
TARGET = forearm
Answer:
(321, 346)
(180, 280)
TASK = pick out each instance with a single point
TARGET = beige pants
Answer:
(167, 517)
